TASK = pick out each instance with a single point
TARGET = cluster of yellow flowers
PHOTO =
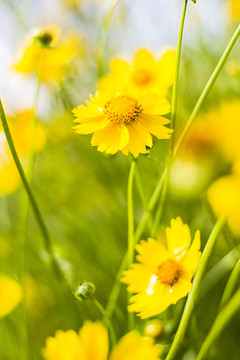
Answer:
(128, 106)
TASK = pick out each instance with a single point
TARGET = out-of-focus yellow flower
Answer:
(145, 74)
(92, 343)
(10, 295)
(43, 53)
(123, 121)
(224, 198)
(163, 275)
(217, 129)
(234, 9)
(21, 129)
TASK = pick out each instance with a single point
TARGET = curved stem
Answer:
(35, 208)
(107, 320)
(143, 198)
(208, 87)
(221, 321)
(231, 283)
(173, 120)
(193, 293)
(103, 38)
(131, 241)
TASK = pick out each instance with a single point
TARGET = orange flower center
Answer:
(169, 272)
(122, 109)
(142, 77)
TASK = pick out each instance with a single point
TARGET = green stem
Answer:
(229, 288)
(221, 321)
(102, 41)
(193, 293)
(143, 198)
(28, 189)
(24, 207)
(131, 241)
(173, 121)
(106, 320)
(207, 88)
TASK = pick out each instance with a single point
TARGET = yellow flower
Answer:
(224, 198)
(91, 343)
(163, 275)
(234, 9)
(145, 74)
(43, 53)
(123, 121)
(10, 295)
(21, 129)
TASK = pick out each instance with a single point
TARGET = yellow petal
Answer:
(136, 144)
(191, 259)
(64, 345)
(178, 238)
(89, 128)
(111, 139)
(94, 340)
(132, 346)
(151, 253)
(138, 278)
(154, 124)
(10, 295)
(166, 66)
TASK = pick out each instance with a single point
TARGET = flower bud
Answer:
(84, 290)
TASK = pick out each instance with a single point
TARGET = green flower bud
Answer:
(84, 290)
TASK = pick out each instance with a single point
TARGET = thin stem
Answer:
(106, 320)
(177, 68)
(102, 40)
(207, 88)
(193, 293)
(24, 204)
(221, 321)
(143, 198)
(131, 241)
(231, 283)
(35, 208)
(173, 121)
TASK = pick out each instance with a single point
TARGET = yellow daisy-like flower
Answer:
(123, 121)
(10, 295)
(144, 74)
(92, 343)
(163, 275)
(224, 198)
(43, 53)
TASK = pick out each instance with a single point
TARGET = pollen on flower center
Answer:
(122, 109)
(169, 272)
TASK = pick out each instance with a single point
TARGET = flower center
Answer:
(169, 272)
(122, 109)
(43, 39)
(142, 77)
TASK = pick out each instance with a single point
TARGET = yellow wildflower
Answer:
(224, 198)
(21, 129)
(10, 295)
(43, 53)
(145, 74)
(92, 343)
(163, 275)
(123, 121)
(234, 9)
